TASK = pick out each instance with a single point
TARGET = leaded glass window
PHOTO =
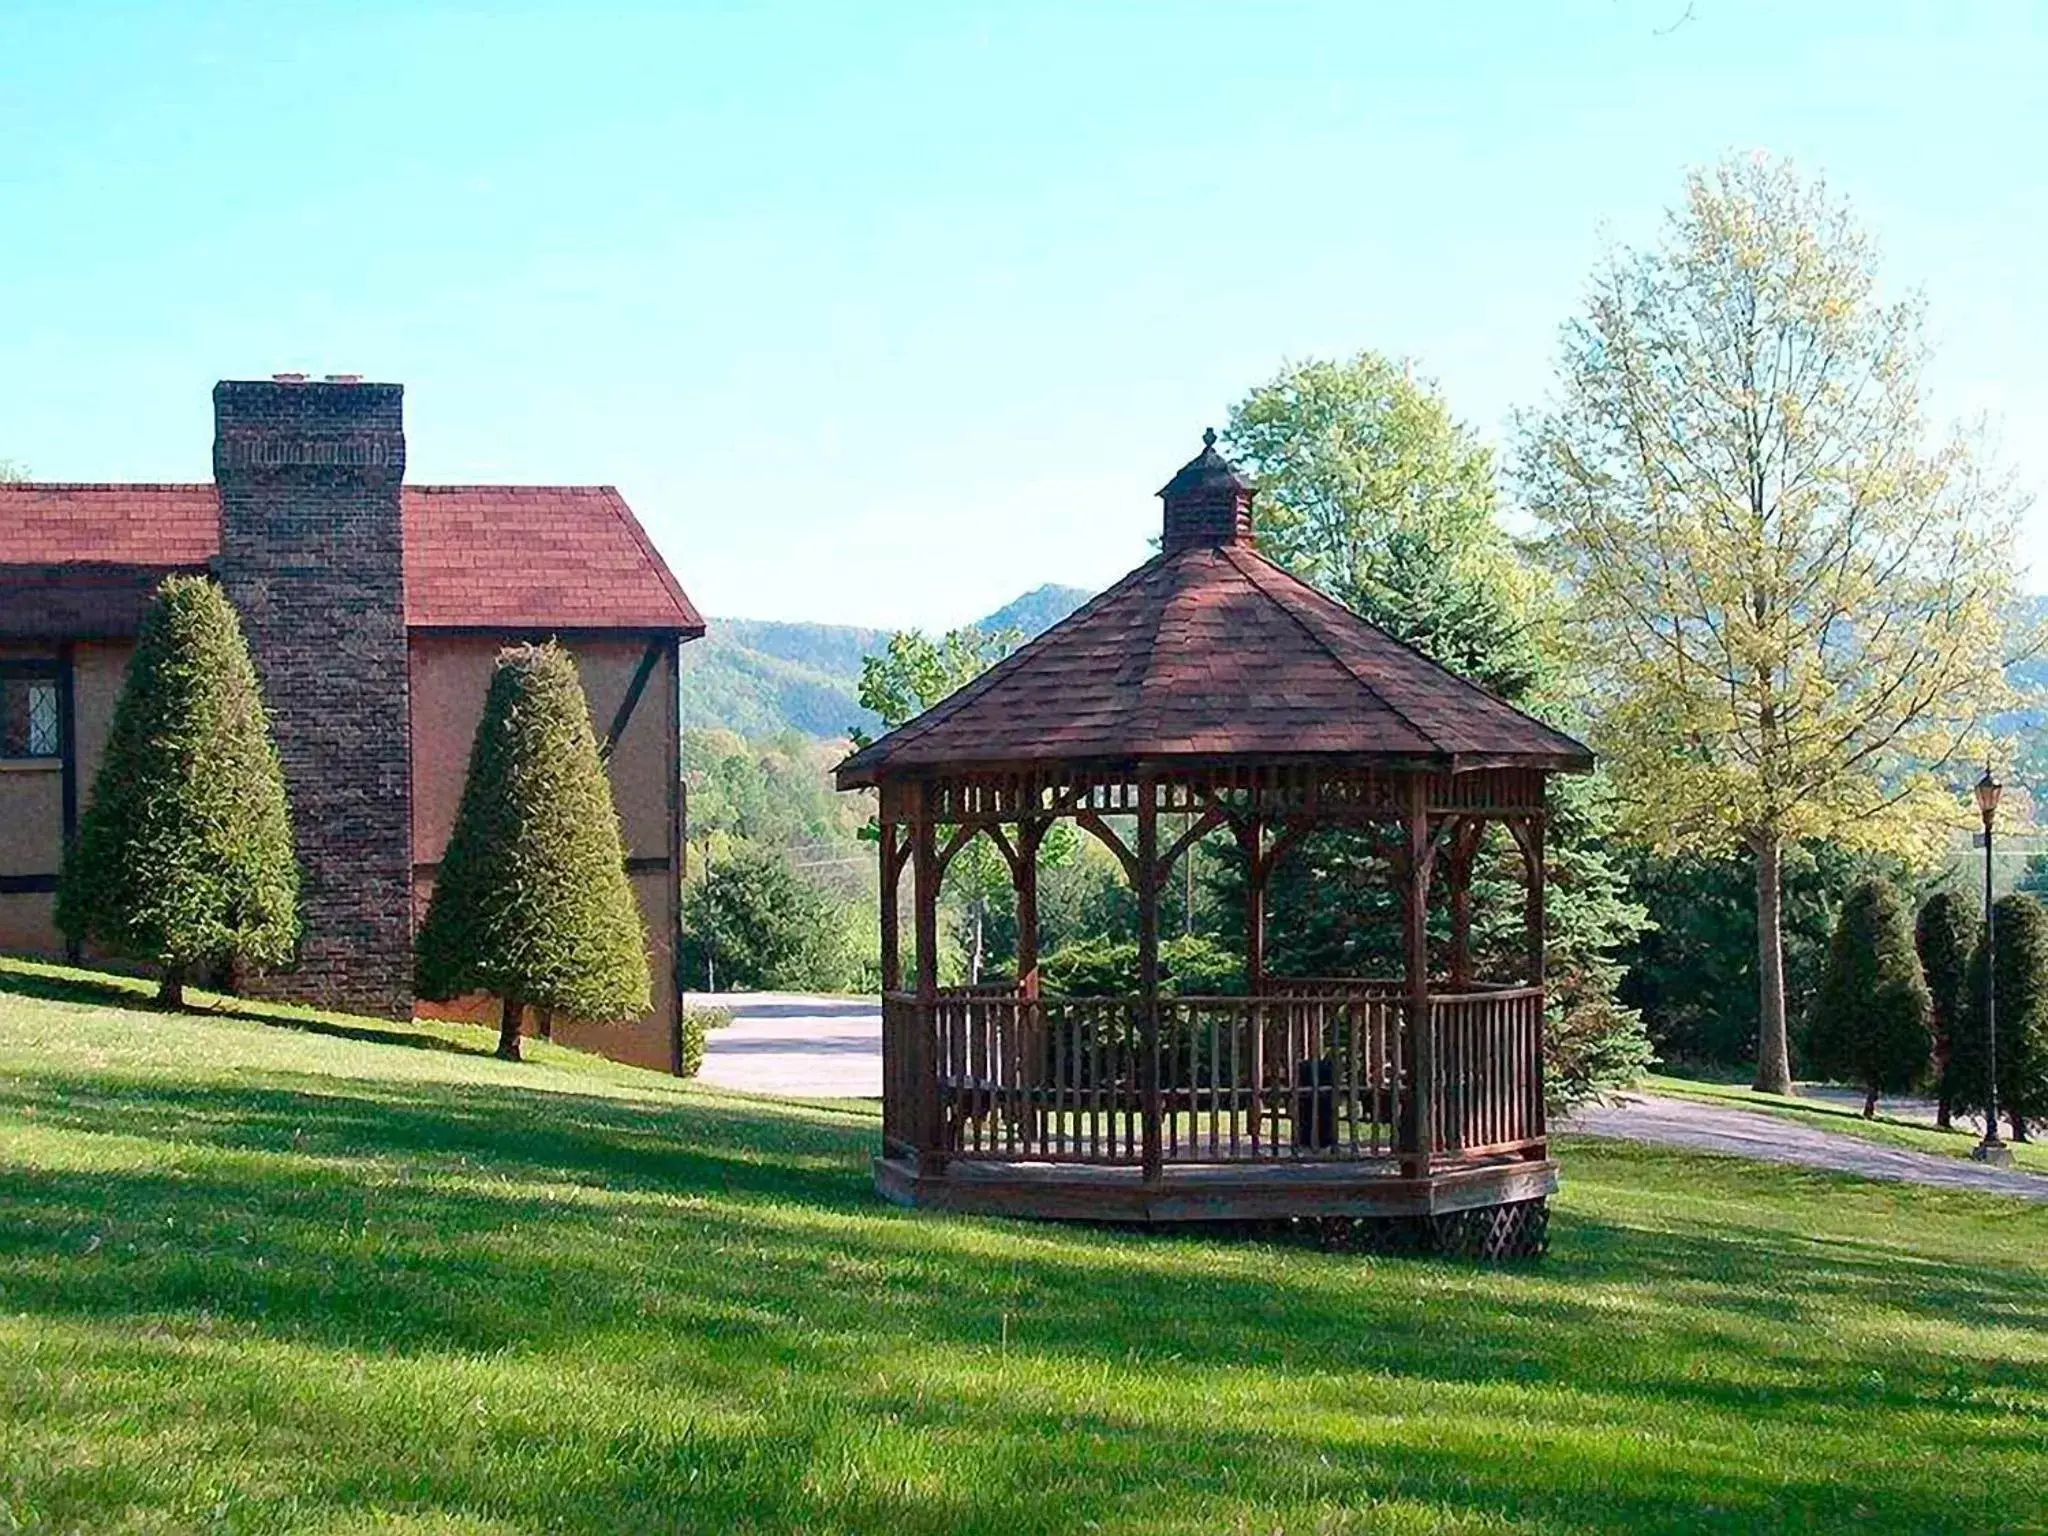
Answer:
(28, 717)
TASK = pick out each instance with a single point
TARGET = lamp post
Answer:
(1990, 1149)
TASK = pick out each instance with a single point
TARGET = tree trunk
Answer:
(1944, 1111)
(1773, 1054)
(511, 1011)
(170, 989)
(1870, 1104)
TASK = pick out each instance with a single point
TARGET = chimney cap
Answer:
(287, 378)
(344, 378)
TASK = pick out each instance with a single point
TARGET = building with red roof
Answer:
(374, 610)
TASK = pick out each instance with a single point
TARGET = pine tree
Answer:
(532, 904)
(1943, 935)
(1870, 1016)
(2022, 1001)
(184, 859)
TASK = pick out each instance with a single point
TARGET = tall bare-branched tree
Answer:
(1798, 595)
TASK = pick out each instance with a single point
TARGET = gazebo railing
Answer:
(1319, 1076)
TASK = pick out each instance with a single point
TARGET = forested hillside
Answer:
(761, 677)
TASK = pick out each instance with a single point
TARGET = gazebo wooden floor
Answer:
(1212, 1192)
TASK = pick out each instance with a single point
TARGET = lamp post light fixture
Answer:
(1990, 1149)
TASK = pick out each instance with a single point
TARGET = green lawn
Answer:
(1884, 1130)
(332, 1275)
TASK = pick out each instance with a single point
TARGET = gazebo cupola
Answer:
(1212, 688)
(1207, 502)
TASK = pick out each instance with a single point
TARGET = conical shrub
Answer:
(532, 904)
(1871, 1014)
(1943, 935)
(184, 858)
(2022, 982)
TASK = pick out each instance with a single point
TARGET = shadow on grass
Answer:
(110, 990)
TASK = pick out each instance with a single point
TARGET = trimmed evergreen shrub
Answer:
(1944, 934)
(2022, 978)
(532, 904)
(697, 1026)
(184, 858)
(1870, 1016)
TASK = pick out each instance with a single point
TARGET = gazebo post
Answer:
(1252, 839)
(1418, 1127)
(924, 855)
(889, 866)
(1464, 847)
(1148, 966)
(1024, 879)
(1532, 899)
(1031, 1018)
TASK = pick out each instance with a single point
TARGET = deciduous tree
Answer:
(1794, 596)
(184, 859)
(532, 904)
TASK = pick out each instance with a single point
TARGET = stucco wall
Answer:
(450, 675)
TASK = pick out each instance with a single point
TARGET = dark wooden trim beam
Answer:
(649, 660)
(27, 885)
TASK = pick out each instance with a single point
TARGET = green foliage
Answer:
(1870, 1021)
(1373, 491)
(184, 858)
(776, 792)
(697, 1026)
(1795, 602)
(1190, 965)
(751, 923)
(1692, 971)
(1370, 488)
(532, 903)
(2021, 978)
(913, 671)
(1944, 933)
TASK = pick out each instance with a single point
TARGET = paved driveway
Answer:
(1746, 1133)
(795, 1044)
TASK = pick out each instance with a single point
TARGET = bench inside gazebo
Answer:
(1211, 693)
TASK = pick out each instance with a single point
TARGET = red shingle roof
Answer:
(1214, 651)
(80, 559)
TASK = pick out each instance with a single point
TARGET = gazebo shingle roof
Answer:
(1214, 652)
(1210, 650)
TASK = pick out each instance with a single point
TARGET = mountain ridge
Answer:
(762, 677)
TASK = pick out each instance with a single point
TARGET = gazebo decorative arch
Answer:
(1212, 686)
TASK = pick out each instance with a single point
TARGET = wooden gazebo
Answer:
(1211, 688)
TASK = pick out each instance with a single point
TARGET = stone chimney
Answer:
(1208, 503)
(312, 554)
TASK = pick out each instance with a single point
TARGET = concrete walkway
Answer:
(799, 1045)
(795, 1044)
(1768, 1138)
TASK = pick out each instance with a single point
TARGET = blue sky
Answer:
(885, 313)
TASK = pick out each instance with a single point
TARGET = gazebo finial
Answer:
(1208, 437)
